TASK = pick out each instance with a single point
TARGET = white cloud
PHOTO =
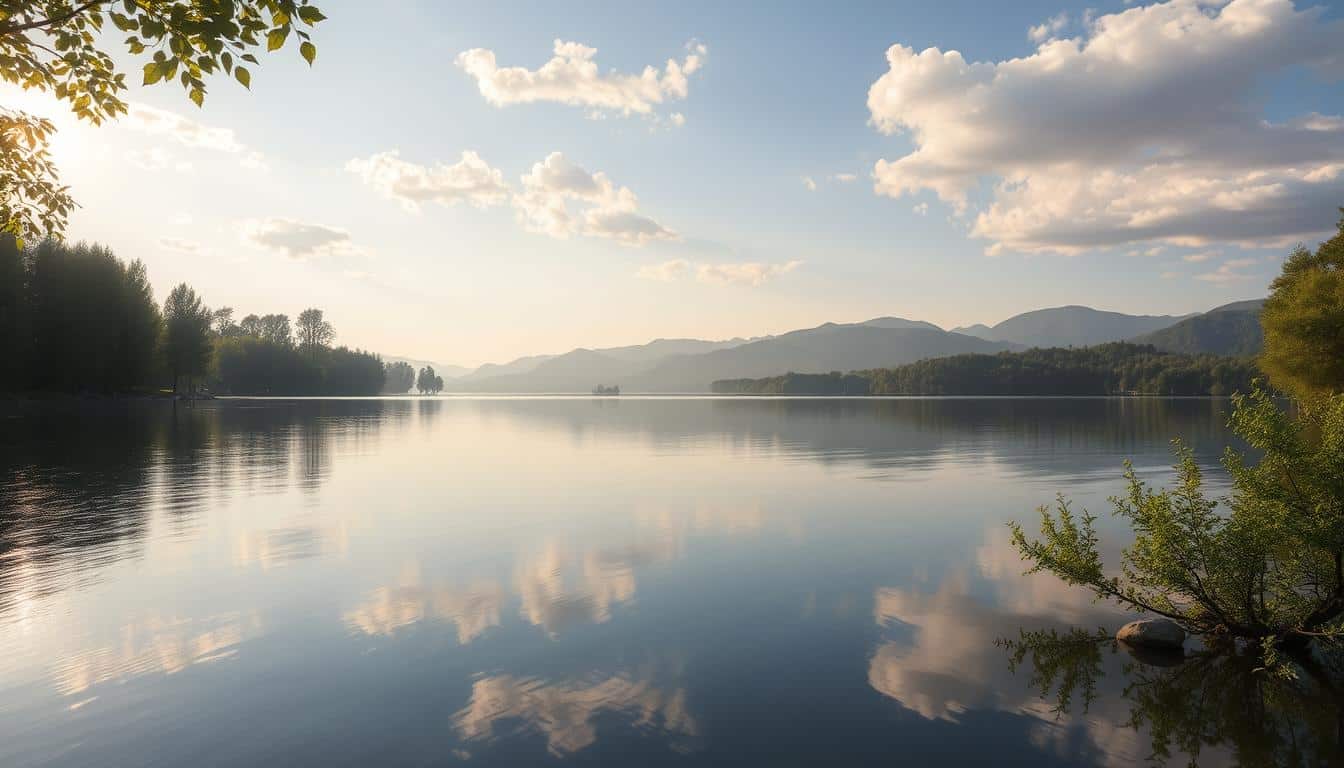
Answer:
(810, 184)
(561, 199)
(1201, 256)
(845, 178)
(921, 209)
(677, 119)
(190, 133)
(572, 77)
(296, 239)
(751, 273)
(667, 271)
(1148, 127)
(1228, 272)
(1049, 28)
(157, 159)
(470, 179)
(179, 245)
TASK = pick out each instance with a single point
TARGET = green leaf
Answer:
(275, 39)
(309, 52)
(197, 95)
(153, 73)
(310, 14)
(243, 76)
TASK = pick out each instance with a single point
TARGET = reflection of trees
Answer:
(80, 481)
(1076, 436)
(1220, 705)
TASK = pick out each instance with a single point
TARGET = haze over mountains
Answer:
(691, 365)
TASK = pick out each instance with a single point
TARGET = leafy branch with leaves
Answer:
(58, 46)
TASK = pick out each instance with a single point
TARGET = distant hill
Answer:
(829, 347)
(1232, 330)
(1071, 326)
(690, 365)
(1107, 369)
(446, 370)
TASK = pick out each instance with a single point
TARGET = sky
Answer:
(473, 182)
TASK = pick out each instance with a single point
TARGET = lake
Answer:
(624, 581)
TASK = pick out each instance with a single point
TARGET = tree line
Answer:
(1107, 369)
(76, 319)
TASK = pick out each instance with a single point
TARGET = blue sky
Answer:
(781, 94)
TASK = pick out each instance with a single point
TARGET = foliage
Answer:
(259, 358)
(1270, 568)
(1106, 369)
(56, 46)
(398, 378)
(1303, 320)
(427, 382)
(1211, 699)
(186, 334)
(75, 319)
(315, 333)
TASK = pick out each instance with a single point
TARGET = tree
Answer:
(428, 382)
(314, 332)
(186, 334)
(1270, 568)
(398, 378)
(275, 329)
(54, 46)
(221, 320)
(75, 318)
(1303, 320)
(250, 326)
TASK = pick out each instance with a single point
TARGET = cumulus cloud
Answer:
(752, 273)
(572, 77)
(1227, 272)
(296, 239)
(470, 179)
(561, 199)
(666, 271)
(810, 184)
(190, 133)
(1049, 28)
(1146, 128)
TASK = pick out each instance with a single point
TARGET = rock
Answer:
(1152, 633)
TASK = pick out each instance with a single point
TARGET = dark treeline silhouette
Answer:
(76, 319)
(398, 379)
(1106, 369)
(428, 382)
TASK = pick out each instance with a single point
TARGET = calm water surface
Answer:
(528, 581)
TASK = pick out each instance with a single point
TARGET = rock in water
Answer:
(1152, 633)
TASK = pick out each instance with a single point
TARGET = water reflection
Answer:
(653, 581)
(472, 609)
(566, 712)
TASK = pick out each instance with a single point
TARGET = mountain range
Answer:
(1071, 326)
(1232, 330)
(691, 365)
